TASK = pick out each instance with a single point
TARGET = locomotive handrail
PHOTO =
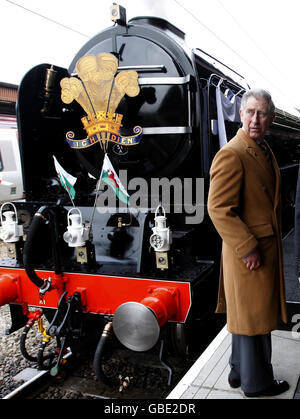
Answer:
(289, 166)
(172, 81)
(159, 80)
(220, 62)
(167, 130)
(287, 126)
(227, 82)
(288, 115)
(138, 68)
(157, 67)
(288, 118)
(165, 80)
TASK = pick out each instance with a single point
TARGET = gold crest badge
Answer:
(99, 90)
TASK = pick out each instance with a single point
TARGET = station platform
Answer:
(208, 377)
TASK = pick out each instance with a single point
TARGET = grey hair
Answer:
(258, 94)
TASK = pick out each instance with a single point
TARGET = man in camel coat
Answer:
(244, 205)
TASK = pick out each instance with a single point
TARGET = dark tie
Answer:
(266, 151)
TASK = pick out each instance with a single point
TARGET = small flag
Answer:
(66, 180)
(110, 177)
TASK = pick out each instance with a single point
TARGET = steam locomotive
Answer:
(113, 236)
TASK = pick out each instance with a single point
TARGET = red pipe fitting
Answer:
(162, 302)
(8, 289)
(33, 316)
(137, 324)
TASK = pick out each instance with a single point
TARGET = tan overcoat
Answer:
(244, 205)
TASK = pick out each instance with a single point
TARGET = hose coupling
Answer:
(44, 288)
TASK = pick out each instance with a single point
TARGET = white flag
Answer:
(67, 180)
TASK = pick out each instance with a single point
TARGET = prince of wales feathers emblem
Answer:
(99, 91)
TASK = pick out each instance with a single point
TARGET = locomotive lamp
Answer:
(161, 239)
(10, 230)
(77, 234)
(118, 14)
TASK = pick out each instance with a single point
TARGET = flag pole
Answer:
(63, 177)
(97, 192)
(69, 195)
(103, 146)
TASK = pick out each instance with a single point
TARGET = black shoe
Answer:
(278, 387)
(234, 382)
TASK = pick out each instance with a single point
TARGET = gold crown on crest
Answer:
(99, 91)
(102, 122)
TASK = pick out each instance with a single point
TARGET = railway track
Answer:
(130, 375)
(132, 379)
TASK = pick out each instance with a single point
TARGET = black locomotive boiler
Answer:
(113, 235)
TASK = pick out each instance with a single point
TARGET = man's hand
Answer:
(253, 261)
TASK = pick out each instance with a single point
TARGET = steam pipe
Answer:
(39, 219)
(99, 353)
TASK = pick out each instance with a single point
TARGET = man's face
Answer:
(256, 118)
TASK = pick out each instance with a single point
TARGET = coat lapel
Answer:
(257, 154)
(277, 180)
(255, 151)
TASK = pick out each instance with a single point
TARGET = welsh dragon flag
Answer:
(110, 177)
(66, 180)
